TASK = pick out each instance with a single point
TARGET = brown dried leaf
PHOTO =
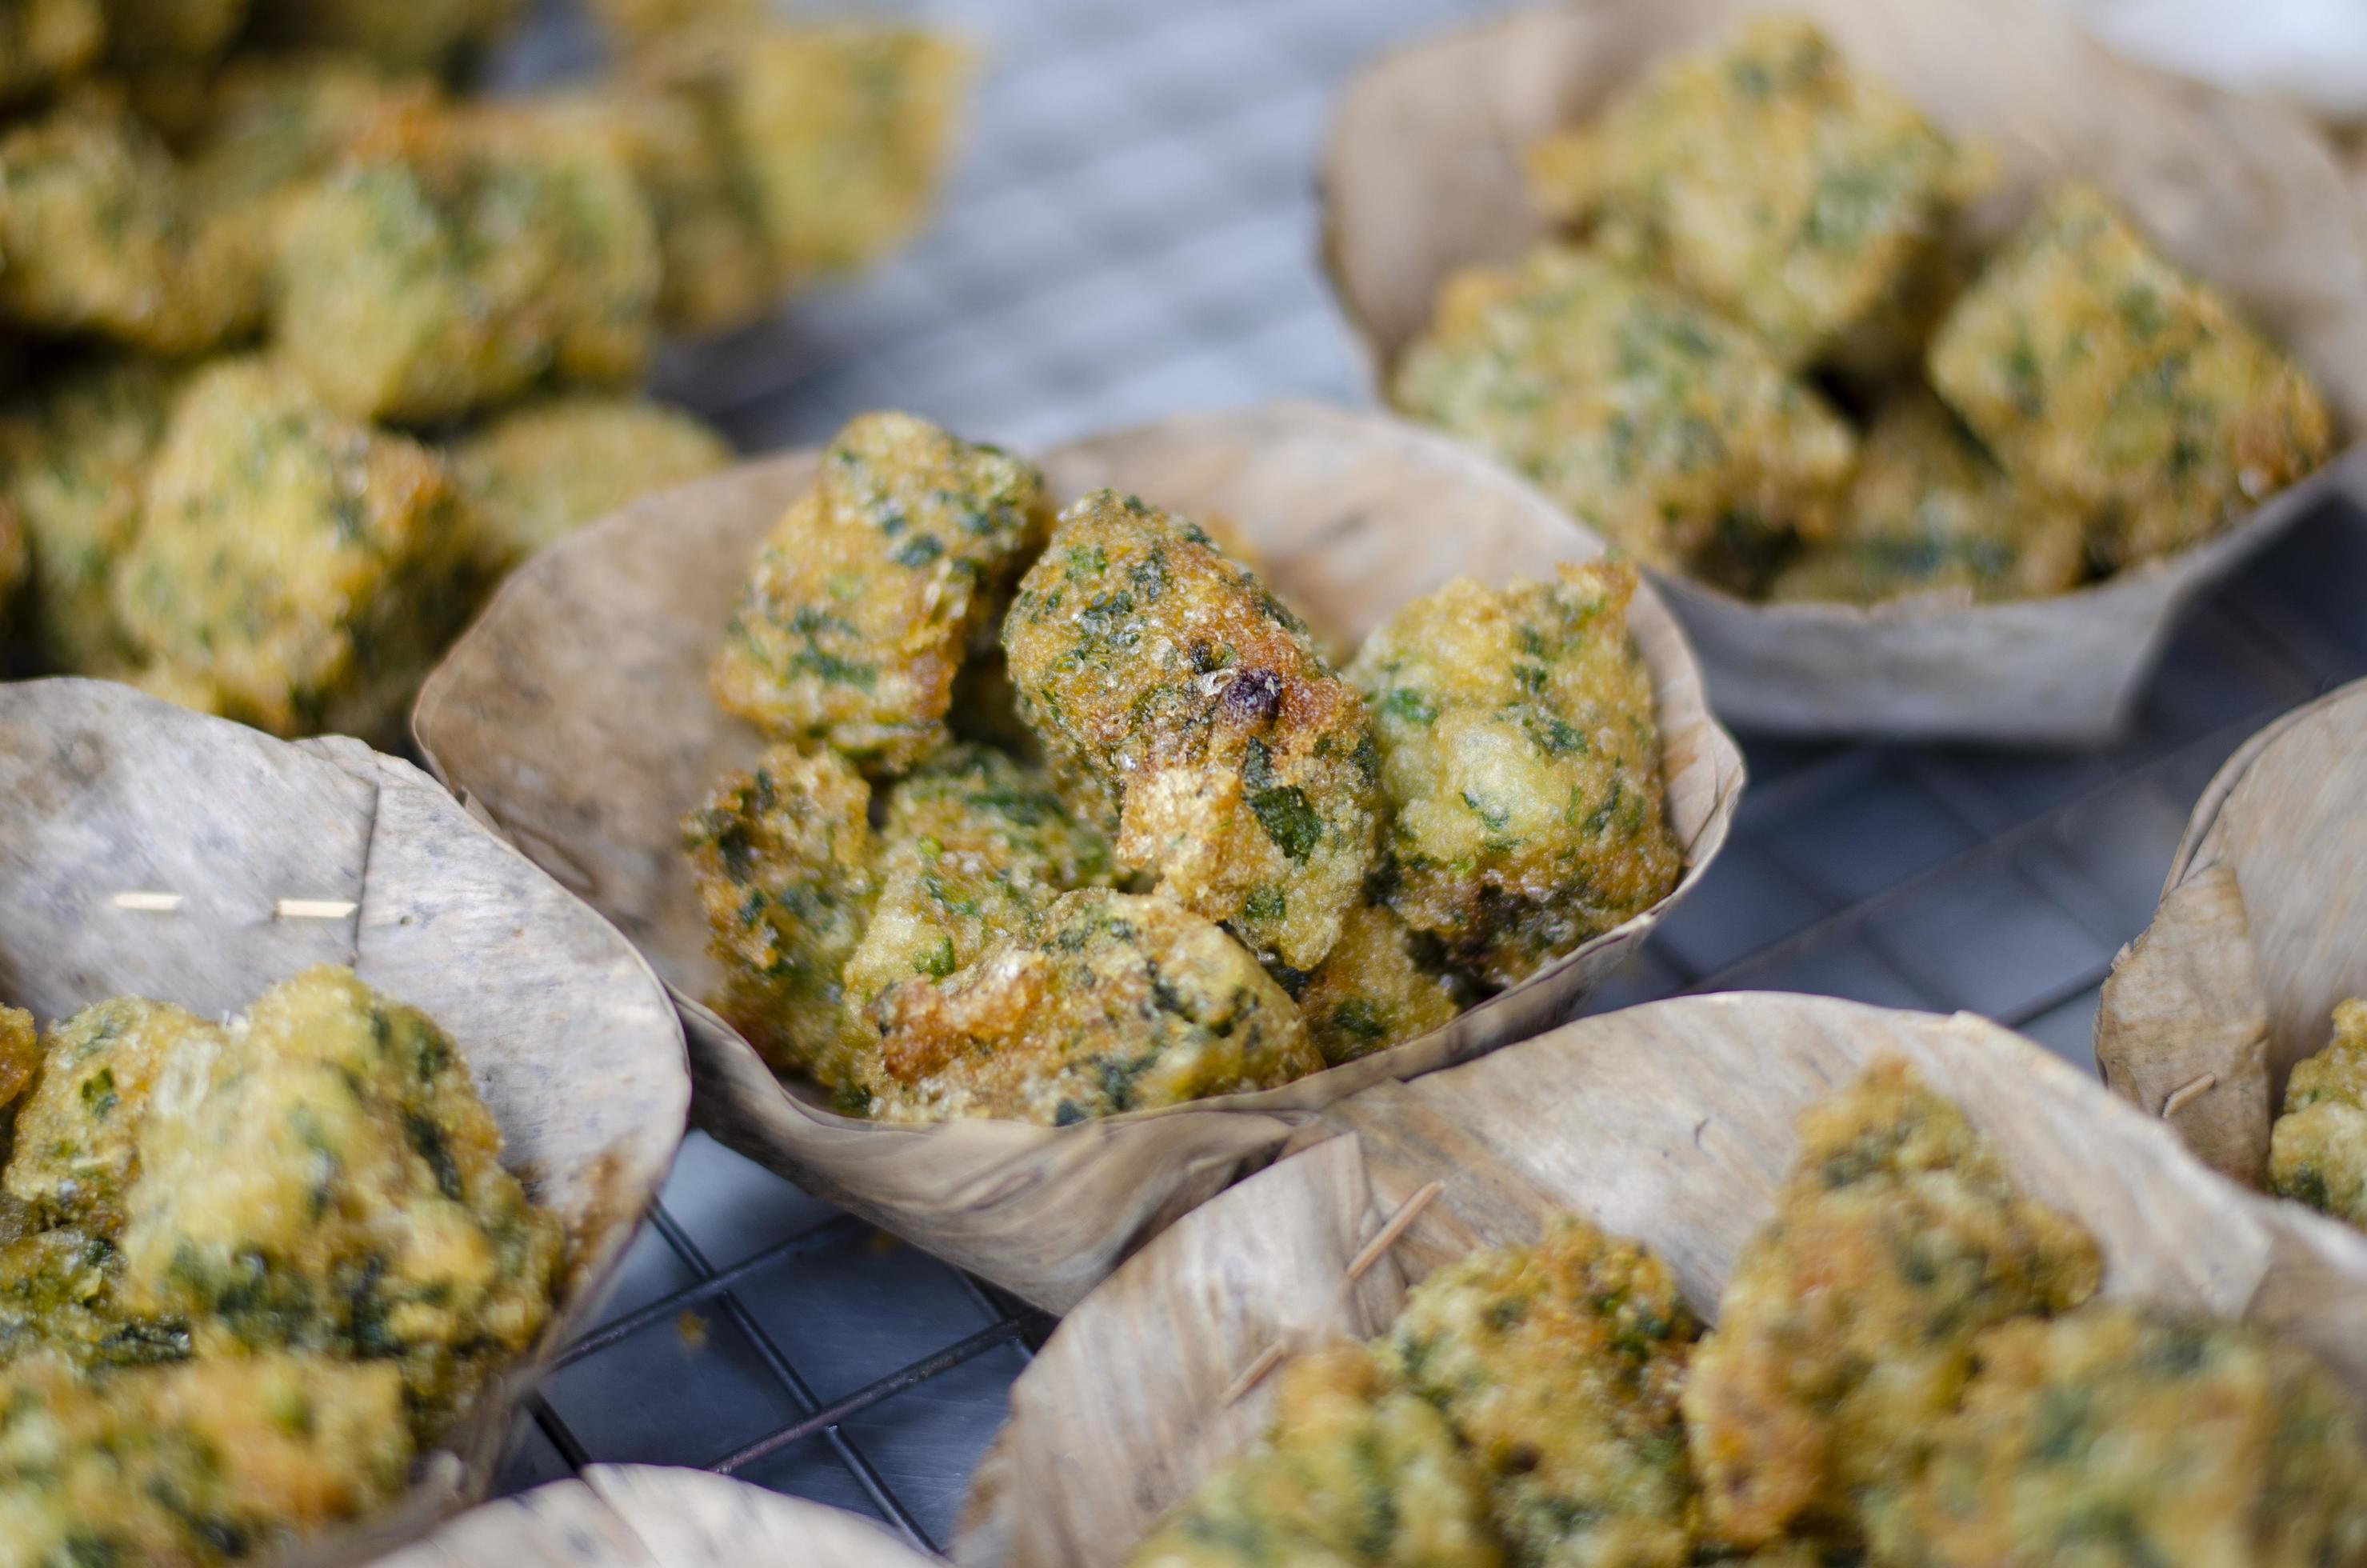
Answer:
(2262, 929)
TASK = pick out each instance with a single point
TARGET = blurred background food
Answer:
(307, 339)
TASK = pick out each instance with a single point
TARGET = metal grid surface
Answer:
(1132, 233)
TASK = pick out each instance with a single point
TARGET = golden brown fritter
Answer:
(2110, 1437)
(57, 1297)
(868, 590)
(1116, 1003)
(2318, 1151)
(193, 1465)
(74, 454)
(786, 864)
(1374, 990)
(1180, 701)
(1521, 757)
(99, 236)
(975, 848)
(45, 42)
(2097, 370)
(244, 1267)
(457, 258)
(303, 569)
(536, 473)
(77, 1146)
(21, 1055)
(1931, 512)
(276, 122)
(1559, 1365)
(1357, 1472)
(325, 1178)
(1848, 1323)
(718, 269)
(1768, 179)
(408, 35)
(1654, 421)
(839, 132)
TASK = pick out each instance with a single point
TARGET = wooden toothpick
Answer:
(1371, 1253)
(2187, 1094)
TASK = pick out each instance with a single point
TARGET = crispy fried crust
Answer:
(1117, 1002)
(99, 236)
(539, 472)
(244, 1269)
(78, 1131)
(1376, 988)
(1521, 757)
(1771, 181)
(322, 1175)
(457, 258)
(868, 591)
(786, 864)
(2318, 1154)
(74, 454)
(197, 1464)
(2110, 1435)
(275, 122)
(720, 272)
(975, 849)
(2098, 371)
(1848, 1324)
(21, 1055)
(1357, 1469)
(1559, 1366)
(1652, 418)
(292, 568)
(838, 133)
(1180, 701)
(1931, 511)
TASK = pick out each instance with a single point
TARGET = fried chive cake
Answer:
(1654, 420)
(1559, 1366)
(1771, 181)
(1115, 1002)
(2098, 371)
(456, 257)
(1521, 760)
(786, 867)
(1185, 707)
(294, 569)
(2318, 1152)
(1849, 1324)
(870, 590)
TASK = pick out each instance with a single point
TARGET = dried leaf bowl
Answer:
(575, 718)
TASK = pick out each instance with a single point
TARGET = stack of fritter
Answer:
(1235, 865)
(247, 1271)
(1907, 1366)
(1757, 238)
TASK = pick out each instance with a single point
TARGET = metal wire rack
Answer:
(1131, 233)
